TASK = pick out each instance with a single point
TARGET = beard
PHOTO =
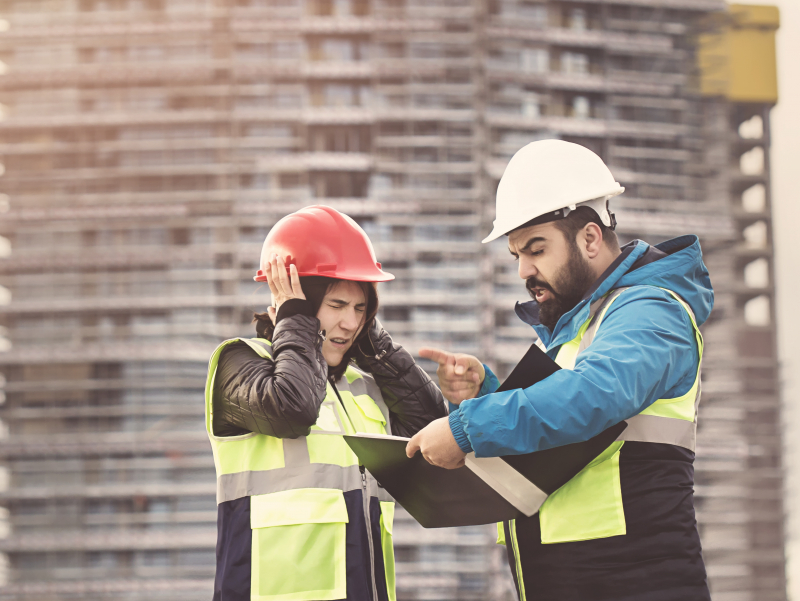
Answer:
(570, 283)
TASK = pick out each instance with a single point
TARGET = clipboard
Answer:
(485, 490)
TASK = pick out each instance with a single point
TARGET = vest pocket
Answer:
(370, 416)
(299, 545)
(589, 506)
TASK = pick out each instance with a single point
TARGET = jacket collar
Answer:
(634, 253)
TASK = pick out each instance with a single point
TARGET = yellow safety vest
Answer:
(296, 489)
(590, 506)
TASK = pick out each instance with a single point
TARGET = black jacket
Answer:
(281, 396)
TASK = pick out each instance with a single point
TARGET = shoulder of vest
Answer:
(616, 292)
(260, 346)
(353, 372)
(259, 341)
(671, 296)
(605, 303)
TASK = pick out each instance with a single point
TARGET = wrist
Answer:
(294, 306)
(457, 429)
(489, 384)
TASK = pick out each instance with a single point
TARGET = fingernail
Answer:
(459, 369)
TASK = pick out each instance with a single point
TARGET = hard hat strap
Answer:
(546, 218)
(564, 213)
(612, 217)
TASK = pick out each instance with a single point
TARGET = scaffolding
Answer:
(148, 148)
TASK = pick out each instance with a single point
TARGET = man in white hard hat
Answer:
(623, 324)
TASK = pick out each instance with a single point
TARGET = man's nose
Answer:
(527, 269)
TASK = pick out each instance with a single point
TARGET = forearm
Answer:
(280, 396)
(521, 421)
(633, 361)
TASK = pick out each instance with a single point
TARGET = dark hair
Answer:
(315, 288)
(577, 220)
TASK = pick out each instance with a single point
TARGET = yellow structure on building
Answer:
(737, 60)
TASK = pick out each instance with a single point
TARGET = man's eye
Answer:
(536, 253)
(360, 310)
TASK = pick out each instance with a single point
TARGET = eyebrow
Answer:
(339, 301)
(528, 244)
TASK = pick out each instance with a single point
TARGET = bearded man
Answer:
(623, 324)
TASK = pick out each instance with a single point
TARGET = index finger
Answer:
(283, 275)
(270, 282)
(434, 354)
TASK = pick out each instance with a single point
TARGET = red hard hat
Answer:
(320, 240)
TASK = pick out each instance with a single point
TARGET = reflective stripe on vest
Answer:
(255, 464)
(590, 505)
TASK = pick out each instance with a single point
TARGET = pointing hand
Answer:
(460, 375)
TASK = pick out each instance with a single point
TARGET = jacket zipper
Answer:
(378, 356)
(365, 505)
(365, 496)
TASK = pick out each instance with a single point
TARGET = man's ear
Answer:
(590, 239)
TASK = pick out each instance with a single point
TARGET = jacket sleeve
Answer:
(278, 397)
(644, 350)
(408, 391)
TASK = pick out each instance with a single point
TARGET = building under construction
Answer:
(149, 145)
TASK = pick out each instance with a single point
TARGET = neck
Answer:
(604, 259)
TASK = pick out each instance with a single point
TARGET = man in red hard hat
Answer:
(298, 517)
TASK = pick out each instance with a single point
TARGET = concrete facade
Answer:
(149, 145)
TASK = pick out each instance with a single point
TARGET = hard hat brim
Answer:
(379, 276)
(505, 228)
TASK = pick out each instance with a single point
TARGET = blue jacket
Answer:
(644, 350)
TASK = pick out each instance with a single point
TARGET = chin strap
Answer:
(613, 219)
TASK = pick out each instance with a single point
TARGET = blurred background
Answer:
(147, 147)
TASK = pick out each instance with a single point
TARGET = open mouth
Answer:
(340, 343)
(541, 294)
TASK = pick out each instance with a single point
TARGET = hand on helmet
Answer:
(282, 285)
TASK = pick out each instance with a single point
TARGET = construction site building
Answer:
(147, 147)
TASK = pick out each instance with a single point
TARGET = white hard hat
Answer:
(552, 177)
